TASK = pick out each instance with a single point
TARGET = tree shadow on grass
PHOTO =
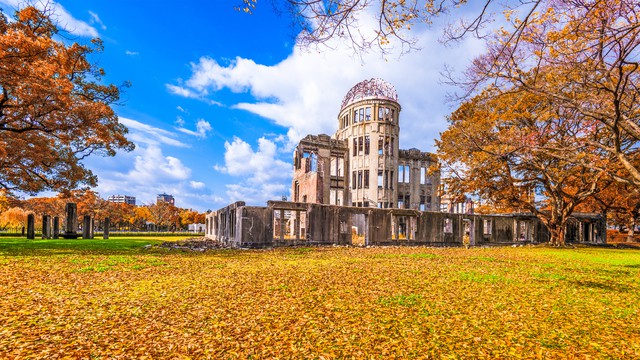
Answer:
(606, 286)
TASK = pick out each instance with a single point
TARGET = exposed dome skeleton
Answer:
(373, 88)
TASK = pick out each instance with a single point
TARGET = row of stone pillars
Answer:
(51, 230)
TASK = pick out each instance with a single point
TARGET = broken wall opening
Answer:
(359, 226)
(403, 227)
(468, 236)
(448, 226)
(289, 225)
(524, 230)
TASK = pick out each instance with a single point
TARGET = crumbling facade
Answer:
(283, 223)
(362, 165)
(358, 188)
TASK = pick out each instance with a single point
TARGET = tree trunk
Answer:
(556, 235)
(631, 226)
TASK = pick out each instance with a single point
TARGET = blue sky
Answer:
(219, 98)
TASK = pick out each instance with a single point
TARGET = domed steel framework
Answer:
(373, 88)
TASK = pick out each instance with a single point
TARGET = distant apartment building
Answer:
(122, 199)
(166, 198)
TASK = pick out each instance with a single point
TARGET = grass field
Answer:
(104, 299)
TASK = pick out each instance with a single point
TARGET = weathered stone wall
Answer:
(420, 186)
(283, 223)
(312, 170)
(255, 226)
(223, 224)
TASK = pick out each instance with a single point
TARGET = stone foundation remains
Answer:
(283, 223)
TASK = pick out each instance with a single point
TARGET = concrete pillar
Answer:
(31, 231)
(56, 227)
(87, 227)
(46, 226)
(71, 222)
(105, 230)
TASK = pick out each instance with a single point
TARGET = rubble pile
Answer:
(193, 244)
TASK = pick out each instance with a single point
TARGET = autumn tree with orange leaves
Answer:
(54, 110)
(164, 215)
(620, 203)
(583, 57)
(506, 147)
(13, 219)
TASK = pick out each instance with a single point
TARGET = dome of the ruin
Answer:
(370, 89)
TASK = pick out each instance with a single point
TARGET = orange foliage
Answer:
(53, 109)
(321, 303)
(581, 57)
(515, 151)
(13, 218)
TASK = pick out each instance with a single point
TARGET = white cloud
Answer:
(146, 172)
(263, 171)
(179, 108)
(61, 16)
(71, 24)
(241, 159)
(191, 93)
(196, 184)
(202, 127)
(303, 92)
(151, 165)
(95, 19)
(144, 133)
(255, 195)
(131, 53)
(182, 91)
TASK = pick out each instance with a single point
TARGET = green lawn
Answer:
(21, 246)
(110, 298)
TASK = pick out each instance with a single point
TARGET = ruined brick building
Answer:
(359, 188)
(361, 165)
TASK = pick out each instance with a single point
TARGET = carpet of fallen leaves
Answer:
(320, 303)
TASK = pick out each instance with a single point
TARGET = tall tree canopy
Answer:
(582, 56)
(512, 149)
(54, 110)
(573, 67)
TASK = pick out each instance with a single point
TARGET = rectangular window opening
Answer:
(366, 179)
(486, 227)
(366, 145)
(448, 226)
